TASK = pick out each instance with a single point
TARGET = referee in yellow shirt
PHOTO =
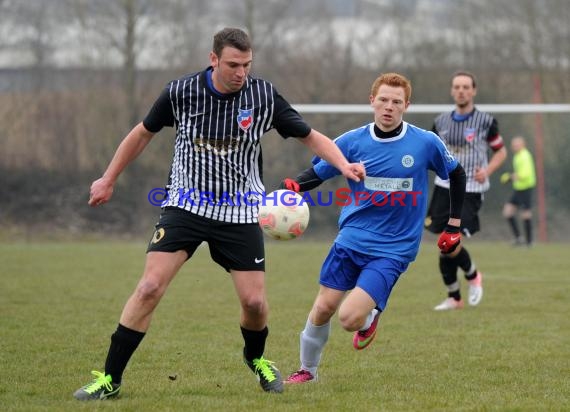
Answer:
(523, 179)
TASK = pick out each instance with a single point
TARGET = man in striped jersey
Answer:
(215, 181)
(468, 134)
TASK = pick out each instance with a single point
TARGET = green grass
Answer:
(59, 303)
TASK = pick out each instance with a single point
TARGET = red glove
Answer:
(290, 184)
(449, 239)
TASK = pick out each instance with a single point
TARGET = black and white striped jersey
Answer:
(468, 137)
(216, 171)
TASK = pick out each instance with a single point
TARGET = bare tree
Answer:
(117, 26)
(29, 34)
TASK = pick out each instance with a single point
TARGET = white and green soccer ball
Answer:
(283, 215)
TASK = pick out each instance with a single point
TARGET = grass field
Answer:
(59, 303)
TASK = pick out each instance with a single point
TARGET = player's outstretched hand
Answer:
(354, 171)
(100, 193)
(290, 184)
(449, 239)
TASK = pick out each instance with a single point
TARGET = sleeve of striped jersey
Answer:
(287, 121)
(160, 114)
(494, 139)
(434, 129)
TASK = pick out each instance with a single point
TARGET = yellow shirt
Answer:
(523, 167)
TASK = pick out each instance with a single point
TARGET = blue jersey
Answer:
(383, 214)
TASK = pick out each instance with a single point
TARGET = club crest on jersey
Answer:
(245, 119)
(469, 134)
(408, 161)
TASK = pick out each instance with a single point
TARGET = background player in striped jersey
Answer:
(382, 226)
(220, 115)
(468, 134)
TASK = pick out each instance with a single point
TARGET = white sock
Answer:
(313, 340)
(369, 319)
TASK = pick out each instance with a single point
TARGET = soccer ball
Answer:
(283, 215)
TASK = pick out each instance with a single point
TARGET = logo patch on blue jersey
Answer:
(407, 161)
(469, 134)
(389, 184)
(245, 119)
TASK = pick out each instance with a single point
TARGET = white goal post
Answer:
(435, 108)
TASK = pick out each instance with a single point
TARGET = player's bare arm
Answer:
(497, 159)
(131, 146)
(325, 148)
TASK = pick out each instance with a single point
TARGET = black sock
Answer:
(463, 260)
(514, 227)
(254, 343)
(455, 295)
(448, 269)
(528, 230)
(123, 344)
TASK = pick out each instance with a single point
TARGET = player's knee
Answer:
(350, 321)
(323, 311)
(254, 305)
(508, 211)
(148, 290)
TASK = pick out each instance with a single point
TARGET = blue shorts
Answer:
(344, 268)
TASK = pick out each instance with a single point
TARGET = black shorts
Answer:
(522, 199)
(237, 246)
(438, 211)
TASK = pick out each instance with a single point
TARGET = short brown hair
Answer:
(393, 80)
(231, 37)
(467, 74)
